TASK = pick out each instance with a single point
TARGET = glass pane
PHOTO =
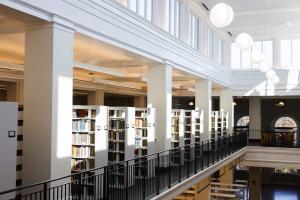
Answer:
(268, 52)
(235, 57)
(141, 7)
(177, 18)
(295, 53)
(149, 7)
(132, 5)
(210, 43)
(286, 53)
(245, 58)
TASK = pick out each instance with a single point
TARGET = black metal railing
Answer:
(139, 178)
(278, 137)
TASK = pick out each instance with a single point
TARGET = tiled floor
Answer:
(280, 193)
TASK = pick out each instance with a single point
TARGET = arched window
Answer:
(243, 121)
(285, 122)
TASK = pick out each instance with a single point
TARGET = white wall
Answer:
(109, 21)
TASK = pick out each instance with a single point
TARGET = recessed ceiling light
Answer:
(289, 24)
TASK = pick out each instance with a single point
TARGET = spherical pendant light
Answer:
(256, 57)
(264, 67)
(243, 41)
(221, 15)
(270, 74)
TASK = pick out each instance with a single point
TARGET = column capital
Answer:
(57, 22)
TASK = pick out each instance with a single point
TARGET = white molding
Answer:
(116, 25)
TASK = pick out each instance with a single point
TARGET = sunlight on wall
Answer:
(64, 112)
(169, 111)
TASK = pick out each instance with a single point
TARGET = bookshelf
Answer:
(224, 123)
(121, 142)
(8, 147)
(83, 138)
(198, 125)
(189, 134)
(177, 132)
(216, 121)
(144, 139)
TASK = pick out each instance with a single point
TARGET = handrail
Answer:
(156, 155)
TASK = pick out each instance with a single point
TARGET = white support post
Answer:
(159, 96)
(226, 104)
(203, 102)
(48, 85)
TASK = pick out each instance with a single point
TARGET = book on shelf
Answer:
(81, 139)
(82, 152)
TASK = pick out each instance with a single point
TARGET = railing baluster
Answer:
(157, 174)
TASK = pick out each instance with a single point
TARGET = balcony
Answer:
(141, 178)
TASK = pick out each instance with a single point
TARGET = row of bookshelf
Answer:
(83, 125)
(82, 152)
(81, 139)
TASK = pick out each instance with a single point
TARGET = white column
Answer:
(48, 103)
(226, 103)
(159, 96)
(276, 53)
(254, 117)
(160, 16)
(203, 102)
(185, 34)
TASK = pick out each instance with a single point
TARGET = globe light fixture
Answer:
(243, 41)
(256, 57)
(264, 67)
(221, 15)
(270, 74)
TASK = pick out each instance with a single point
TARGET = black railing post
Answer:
(157, 173)
(208, 152)
(179, 168)
(188, 162)
(195, 158)
(202, 155)
(144, 175)
(213, 146)
(126, 180)
(169, 169)
(105, 183)
(45, 191)
(80, 186)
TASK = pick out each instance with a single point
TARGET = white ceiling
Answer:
(263, 18)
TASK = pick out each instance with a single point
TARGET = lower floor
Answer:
(276, 192)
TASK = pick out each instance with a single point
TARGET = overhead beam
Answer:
(11, 66)
(99, 69)
(80, 65)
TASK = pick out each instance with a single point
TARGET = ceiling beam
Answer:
(99, 69)
(11, 66)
